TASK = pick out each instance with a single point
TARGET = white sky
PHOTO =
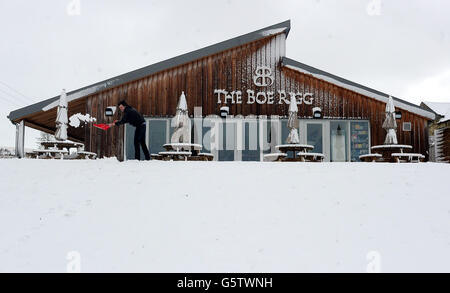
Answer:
(399, 47)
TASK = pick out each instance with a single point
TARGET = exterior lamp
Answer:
(110, 111)
(224, 111)
(398, 115)
(317, 113)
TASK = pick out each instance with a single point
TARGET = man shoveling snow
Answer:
(132, 116)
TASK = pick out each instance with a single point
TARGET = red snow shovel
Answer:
(102, 126)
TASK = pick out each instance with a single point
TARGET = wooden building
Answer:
(252, 76)
(439, 131)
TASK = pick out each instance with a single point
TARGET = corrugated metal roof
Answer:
(154, 68)
(345, 83)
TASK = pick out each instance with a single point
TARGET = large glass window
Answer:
(130, 130)
(314, 137)
(250, 140)
(227, 140)
(359, 139)
(266, 129)
(157, 135)
(338, 141)
(285, 135)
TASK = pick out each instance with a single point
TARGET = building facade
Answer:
(250, 79)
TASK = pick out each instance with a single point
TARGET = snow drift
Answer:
(223, 217)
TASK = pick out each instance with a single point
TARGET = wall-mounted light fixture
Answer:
(110, 111)
(224, 111)
(398, 115)
(317, 112)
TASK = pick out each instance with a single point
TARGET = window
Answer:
(157, 135)
(250, 140)
(359, 139)
(406, 126)
(314, 137)
(227, 140)
(129, 129)
(338, 145)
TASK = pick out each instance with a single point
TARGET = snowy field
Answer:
(223, 217)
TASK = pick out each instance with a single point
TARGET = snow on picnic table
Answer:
(223, 216)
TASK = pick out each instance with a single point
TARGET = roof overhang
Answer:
(355, 87)
(283, 27)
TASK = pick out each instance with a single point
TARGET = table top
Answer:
(310, 154)
(61, 143)
(370, 155)
(171, 146)
(391, 146)
(175, 153)
(294, 147)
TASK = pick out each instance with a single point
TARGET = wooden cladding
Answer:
(157, 95)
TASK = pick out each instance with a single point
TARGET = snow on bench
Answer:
(391, 146)
(275, 156)
(85, 154)
(370, 157)
(408, 156)
(314, 156)
(175, 153)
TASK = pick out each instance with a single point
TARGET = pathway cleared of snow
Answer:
(223, 216)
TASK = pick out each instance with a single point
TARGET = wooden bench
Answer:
(50, 154)
(407, 157)
(206, 156)
(370, 157)
(274, 157)
(175, 156)
(311, 157)
(86, 155)
(155, 157)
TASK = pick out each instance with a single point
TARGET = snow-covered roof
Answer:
(353, 86)
(441, 109)
(283, 27)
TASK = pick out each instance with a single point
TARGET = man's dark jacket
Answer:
(132, 116)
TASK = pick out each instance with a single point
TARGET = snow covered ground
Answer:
(223, 217)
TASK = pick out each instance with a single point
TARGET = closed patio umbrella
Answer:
(61, 118)
(389, 124)
(182, 133)
(292, 123)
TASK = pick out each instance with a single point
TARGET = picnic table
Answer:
(47, 154)
(394, 153)
(182, 152)
(60, 145)
(408, 157)
(386, 151)
(61, 150)
(295, 149)
(191, 147)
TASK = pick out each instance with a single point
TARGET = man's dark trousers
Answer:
(139, 140)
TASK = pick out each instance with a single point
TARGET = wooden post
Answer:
(20, 139)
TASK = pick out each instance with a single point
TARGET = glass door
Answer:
(314, 136)
(227, 140)
(338, 141)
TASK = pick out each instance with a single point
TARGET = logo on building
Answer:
(263, 76)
